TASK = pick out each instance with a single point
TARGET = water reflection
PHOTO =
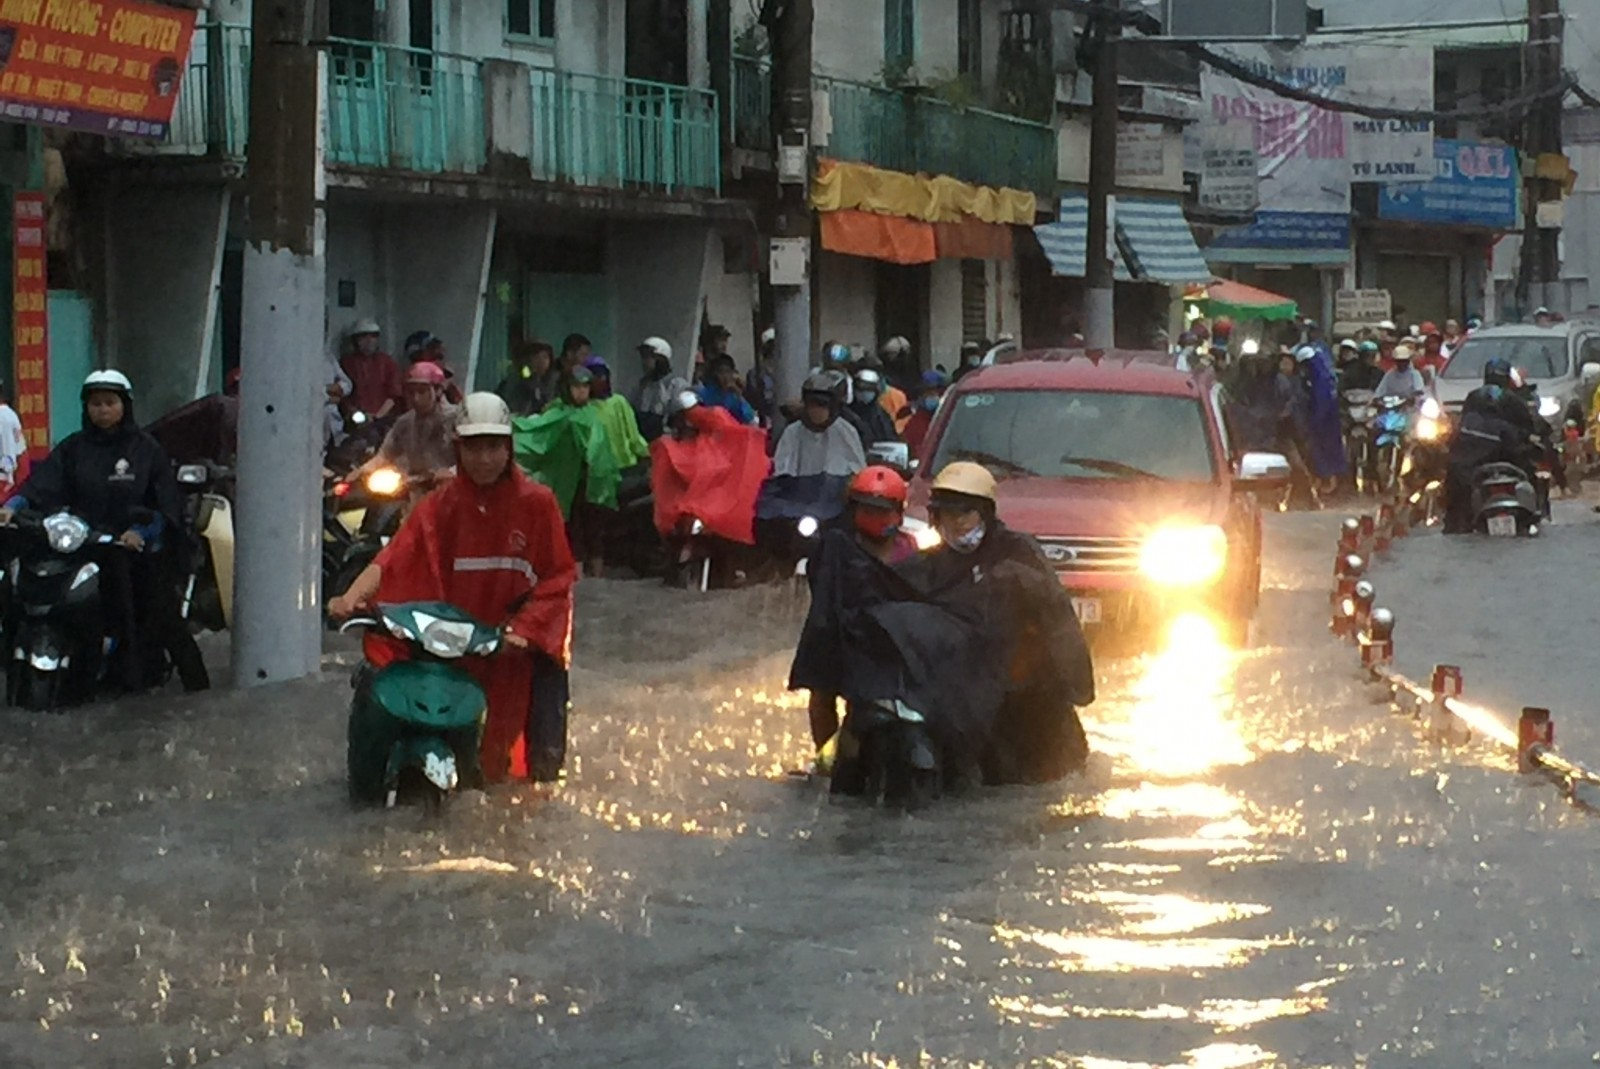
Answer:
(1162, 941)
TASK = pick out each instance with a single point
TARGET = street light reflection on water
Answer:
(1173, 735)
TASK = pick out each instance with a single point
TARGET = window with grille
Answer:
(531, 18)
(974, 300)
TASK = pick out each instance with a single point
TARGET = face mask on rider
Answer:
(930, 404)
(966, 543)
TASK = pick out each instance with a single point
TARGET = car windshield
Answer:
(1068, 434)
(1538, 356)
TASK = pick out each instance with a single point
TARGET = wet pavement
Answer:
(1261, 868)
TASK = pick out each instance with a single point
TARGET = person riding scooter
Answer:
(873, 422)
(116, 477)
(421, 443)
(1036, 735)
(1495, 426)
(876, 509)
(816, 456)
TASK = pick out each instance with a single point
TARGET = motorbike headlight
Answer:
(808, 526)
(86, 573)
(1364, 415)
(1549, 407)
(696, 527)
(448, 638)
(65, 532)
(927, 537)
(1431, 409)
(386, 482)
(1185, 556)
(1429, 429)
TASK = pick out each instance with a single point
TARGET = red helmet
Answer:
(1430, 330)
(880, 487)
(426, 373)
(1222, 327)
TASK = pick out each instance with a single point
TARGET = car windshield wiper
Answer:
(989, 460)
(1113, 467)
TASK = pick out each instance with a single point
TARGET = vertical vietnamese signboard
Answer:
(30, 321)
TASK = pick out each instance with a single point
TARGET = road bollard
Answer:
(1536, 732)
(1348, 570)
(1368, 527)
(1377, 640)
(1349, 535)
(1361, 597)
(1442, 724)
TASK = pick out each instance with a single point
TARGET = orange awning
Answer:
(879, 237)
(972, 240)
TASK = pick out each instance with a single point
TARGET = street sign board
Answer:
(1230, 182)
(1362, 306)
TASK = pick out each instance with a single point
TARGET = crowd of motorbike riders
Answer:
(1363, 415)
(957, 660)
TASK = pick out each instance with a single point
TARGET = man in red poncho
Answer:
(710, 468)
(491, 542)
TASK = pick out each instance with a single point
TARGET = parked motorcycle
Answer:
(56, 626)
(1504, 501)
(886, 752)
(207, 596)
(416, 724)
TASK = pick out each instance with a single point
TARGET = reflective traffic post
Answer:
(1536, 733)
(1446, 685)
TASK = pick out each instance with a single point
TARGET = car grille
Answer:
(1093, 556)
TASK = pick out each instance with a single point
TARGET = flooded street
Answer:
(1261, 868)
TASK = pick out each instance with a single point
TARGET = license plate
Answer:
(1088, 610)
(1502, 526)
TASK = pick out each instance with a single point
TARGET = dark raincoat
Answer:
(1031, 634)
(873, 423)
(1324, 424)
(871, 636)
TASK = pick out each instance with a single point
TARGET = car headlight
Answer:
(65, 532)
(1549, 407)
(386, 482)
(1184, 556)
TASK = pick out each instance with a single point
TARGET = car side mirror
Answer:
(1591, 374)
(1263, 470)
(896, 455)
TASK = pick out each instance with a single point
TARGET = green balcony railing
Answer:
(752, 103)
(591, 130)
(404, 108)
(910, 132)
(213, 110)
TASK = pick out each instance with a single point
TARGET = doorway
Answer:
(657, 41)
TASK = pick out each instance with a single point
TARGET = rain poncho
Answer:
(1325, 425)
(622, 430)
(714, 477)
(836, 450)
(567, 448)
(501, 554)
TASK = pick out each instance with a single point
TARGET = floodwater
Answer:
(1261, 868)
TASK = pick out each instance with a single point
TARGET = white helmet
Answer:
(769, 336)
(364, 326)
(896, 346)
(107, 379)
(483, 415)
(658, 346)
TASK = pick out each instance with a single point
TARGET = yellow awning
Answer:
(858, 187)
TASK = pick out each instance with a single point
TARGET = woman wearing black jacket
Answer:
(118, 478)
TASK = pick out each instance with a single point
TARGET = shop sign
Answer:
(108, 67)
(30, 320)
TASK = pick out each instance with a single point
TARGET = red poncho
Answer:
(501, 554)
(714, 477)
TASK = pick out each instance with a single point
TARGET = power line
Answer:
(1244, 72)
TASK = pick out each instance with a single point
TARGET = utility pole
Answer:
(277, 619)
(789, 28)
(1105, 29)
(1540, 266)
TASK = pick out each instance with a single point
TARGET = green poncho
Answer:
(565, 447)
(622, 431)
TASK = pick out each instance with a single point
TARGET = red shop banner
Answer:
(102, 66)
(30, 321)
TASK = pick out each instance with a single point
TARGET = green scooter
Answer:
(416, 724)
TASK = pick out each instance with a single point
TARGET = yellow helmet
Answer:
(965, 478)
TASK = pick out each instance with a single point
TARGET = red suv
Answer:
(1122, 470)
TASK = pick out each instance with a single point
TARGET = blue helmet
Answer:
(1497, 372)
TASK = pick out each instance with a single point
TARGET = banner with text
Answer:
(1476, 184)
(1310, 155)
(102, 66)
(30, 320)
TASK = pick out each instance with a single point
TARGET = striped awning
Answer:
(1158, 239)
(1065, 241)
